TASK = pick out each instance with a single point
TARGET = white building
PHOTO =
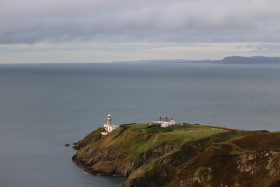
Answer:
(163, 122)
(108, 127)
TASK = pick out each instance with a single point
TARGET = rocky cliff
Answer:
(183, 155)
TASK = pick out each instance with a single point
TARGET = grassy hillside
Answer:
(144, 138)
(136, 139)
(188, 154)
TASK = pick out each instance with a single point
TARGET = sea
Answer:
(45, 106)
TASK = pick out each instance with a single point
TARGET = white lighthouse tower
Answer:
(108, 127)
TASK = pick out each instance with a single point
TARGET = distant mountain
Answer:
(249, 60)
(154, 61)
(226, 60)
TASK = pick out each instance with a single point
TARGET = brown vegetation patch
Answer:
(259, 141)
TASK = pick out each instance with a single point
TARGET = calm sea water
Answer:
(43, 107)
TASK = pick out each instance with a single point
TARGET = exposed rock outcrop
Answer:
(90, 138)
(225, 167)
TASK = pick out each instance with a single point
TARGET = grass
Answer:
(140, 138)
(144, 138)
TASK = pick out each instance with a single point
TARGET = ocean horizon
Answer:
(44, 106)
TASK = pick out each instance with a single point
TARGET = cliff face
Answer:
(256, 165)
(189, 155)
(89, 139)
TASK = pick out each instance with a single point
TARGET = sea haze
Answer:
(43, 107)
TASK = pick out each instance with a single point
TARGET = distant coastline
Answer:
(226, 60)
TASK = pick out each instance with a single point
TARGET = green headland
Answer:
(182, 155)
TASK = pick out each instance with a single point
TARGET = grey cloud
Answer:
(32, 21)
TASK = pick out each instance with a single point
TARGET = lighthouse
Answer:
(108, 127)
(109, 120)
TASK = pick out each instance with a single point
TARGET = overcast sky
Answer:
(112, 30)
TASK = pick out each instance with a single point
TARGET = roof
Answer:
(165, 119)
